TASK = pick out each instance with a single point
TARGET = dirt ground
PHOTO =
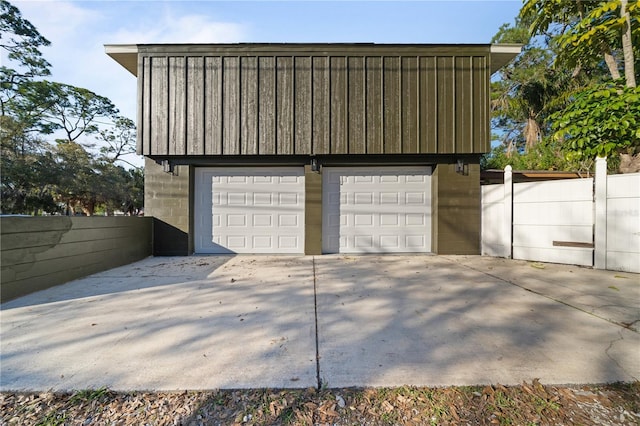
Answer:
(527, 404)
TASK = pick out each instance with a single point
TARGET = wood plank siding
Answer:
(263, 99)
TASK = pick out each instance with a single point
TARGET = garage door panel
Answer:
(389, 198)
(290, 198)
(363, 220)
(389, 241)
(414, 219)
(262, 220)
(237, 220)
(288, 242)
(380, 209)
(288, 220)
(249, 210)
(262, 242)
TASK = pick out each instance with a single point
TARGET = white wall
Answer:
(541, 221)
(495, 222)
(549, 216)
(623, 222)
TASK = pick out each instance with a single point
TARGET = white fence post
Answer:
(600, 219)
(508, 213)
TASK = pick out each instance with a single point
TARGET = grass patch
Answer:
(526, 404)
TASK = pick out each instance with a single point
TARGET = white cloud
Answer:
(79, 30)
(183, 29)
(58, 20)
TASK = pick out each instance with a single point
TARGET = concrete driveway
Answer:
(204, 322)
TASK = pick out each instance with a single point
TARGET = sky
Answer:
(78, 30)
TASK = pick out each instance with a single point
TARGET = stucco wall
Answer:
(456, 210)
(41, 252)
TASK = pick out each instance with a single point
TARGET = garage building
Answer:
(313, 148)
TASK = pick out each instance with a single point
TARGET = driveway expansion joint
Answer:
(315, 308)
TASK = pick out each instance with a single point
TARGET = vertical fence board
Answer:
(249, 105)
(338, 114)
(159, 105)
(145, 102)
(195, 106)
(321, 102)
(464, 105)
(177, 105)
(392, 105)
(302, 105)
(356, 106)
(231, 105)
(428, 105)
(213, 105)
(374, 120)
(480, 132)
(266, 105)
(284, 105)
(446, 104)
(410, 122)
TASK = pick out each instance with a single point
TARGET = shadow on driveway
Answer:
(435, 320)
(206, 322)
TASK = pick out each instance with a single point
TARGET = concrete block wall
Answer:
(166, 199)
(40, 252)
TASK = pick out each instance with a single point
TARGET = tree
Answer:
(61, 107)
(77, 184)
(603, 120)
(36, 175)
(527, 90)
(119, 140)
(121, 189)
(588, 30)
(22, 42)
(134, 200)
(29, 177)
(577, 98)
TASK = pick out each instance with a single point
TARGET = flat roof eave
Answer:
(127, 54)
(124, 54)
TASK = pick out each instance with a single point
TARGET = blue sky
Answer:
(79, 29)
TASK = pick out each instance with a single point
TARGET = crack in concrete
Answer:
(606, 351)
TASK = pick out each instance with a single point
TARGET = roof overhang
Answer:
(127, 55)
(124, 54)
(502, 54)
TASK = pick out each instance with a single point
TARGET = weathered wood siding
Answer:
(198, 100)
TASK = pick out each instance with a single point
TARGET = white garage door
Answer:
(376, 209)
(249, 210)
